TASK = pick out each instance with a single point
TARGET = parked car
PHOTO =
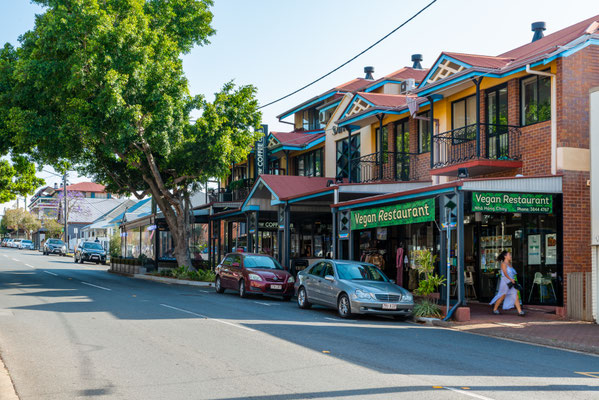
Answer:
(26, 245)
(253, 273)
(90, 251)
(9, 243)
(15, 243)
(352, 287)
(4, 242)
(55, 246)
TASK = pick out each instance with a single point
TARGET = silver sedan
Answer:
(352, 287)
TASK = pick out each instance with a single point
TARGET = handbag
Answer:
(516, 286)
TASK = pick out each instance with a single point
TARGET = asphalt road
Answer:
(72, 331)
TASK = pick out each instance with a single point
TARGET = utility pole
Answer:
(66, 224)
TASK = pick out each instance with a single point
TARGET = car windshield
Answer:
(55, 241)
(261, 262)
(360, 272)
(94, 246)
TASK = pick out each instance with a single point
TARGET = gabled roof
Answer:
(85, 187)
(384, 100)
(451, 65)
(296, 140)
(407, 73)
(89, 209)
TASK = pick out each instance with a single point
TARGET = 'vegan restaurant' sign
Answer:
(512, 202)
(398, 214)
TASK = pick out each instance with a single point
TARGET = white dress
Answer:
(511, 295)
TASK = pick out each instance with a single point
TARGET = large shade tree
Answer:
(100, 83)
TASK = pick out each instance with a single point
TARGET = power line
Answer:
(353, 58)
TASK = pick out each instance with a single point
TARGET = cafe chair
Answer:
(541, 281)
(469, 284)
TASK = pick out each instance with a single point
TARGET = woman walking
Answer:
(507, 294)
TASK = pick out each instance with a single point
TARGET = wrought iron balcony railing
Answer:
(495, 142)
(383, 166)
(235, 191)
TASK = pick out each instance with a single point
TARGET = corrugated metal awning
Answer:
(545, 184)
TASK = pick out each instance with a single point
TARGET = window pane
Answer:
(502, 104)
(423, 134)
(529, 101)
(471, 110)
(317, 163)
(300, 166)
(544, 98)
(492, 108)
(385, 139)
(459, 114)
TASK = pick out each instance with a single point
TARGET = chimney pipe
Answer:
(416, 58)
(538, 28)
(368, 71)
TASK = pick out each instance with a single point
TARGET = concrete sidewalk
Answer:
(538, 326)
(7, 389)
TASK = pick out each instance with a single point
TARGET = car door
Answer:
(236, 270)
(225, 273)
(328, 289)
(312, 282)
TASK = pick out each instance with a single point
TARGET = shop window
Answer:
(424, 133)
(463, 119)
(343, 157)
(535, 103)
(497, 123)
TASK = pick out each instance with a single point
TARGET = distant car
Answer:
(352, 287)
(55, 246)
(8, 243)
(4, 242)
(26, 245)
(253, 273)
(90, 251)
(15, 243)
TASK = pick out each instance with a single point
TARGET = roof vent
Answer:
(55, 185)
(538, 28)
(416, 58)
(368, 71)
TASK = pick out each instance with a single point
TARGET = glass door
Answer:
(497, 124)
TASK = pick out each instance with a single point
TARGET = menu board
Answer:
(491, 246)
(551, 249)
(534, 249)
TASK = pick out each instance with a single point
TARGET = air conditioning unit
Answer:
(407, 85)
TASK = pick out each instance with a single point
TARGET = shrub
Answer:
(427, 308)
(114, 245)
(425, 263)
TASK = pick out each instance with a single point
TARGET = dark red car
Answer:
(253, 273)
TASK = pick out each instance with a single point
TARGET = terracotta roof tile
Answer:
(384, 100)
(477, 60)
(85, 187)
(286, 186)
(298, 139)
(354, 84)
(408, 73)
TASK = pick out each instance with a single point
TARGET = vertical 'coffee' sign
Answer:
(261, 159)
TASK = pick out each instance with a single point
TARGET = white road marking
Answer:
(205, 291)
(5, 255)
(467, 393)
(266, 304)
(211, 319)
(184, 311)
(14, 259)
(30, 266)
(96, 286)
(50, 273)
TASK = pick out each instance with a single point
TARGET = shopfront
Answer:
(393, 236)
(528, 226)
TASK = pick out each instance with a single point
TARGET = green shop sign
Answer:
(512, 202)
(398, 214)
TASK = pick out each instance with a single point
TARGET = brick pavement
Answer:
(538, 326)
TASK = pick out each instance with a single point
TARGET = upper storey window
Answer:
(535, 104)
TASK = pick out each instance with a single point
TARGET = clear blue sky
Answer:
(280, 45)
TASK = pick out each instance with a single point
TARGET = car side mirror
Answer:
(235, 264)
(330, 278)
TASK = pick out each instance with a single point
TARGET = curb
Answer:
(433, 322)
(172, 281)
(7, 388)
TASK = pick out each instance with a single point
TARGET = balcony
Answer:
(383, 166)
(235, 191)
(497, 148)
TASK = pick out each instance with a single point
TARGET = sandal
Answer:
(496, 312)
(522, 313)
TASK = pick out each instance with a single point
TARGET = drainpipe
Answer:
(380, 141)
(349, 154)
(553, 114)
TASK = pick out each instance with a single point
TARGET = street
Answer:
(71, 331)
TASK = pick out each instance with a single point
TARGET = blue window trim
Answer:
(378, 85)
(439, 61)
(351, 103)
(333, 104)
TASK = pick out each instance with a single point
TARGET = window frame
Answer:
(466, 136)
(309, 159)
(428, 133)
(522, 115)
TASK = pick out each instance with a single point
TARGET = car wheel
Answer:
(344, 306)
(97, 262)
(302, 298)
(75, 259)
(217, 286)
(242, 292)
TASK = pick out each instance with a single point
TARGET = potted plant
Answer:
(427, 295)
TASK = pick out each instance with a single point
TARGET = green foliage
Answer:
(54, 228)
(100, 84)
(114, 245)
(429, 282)
(17, 178)
(183, 272)
(18, 219)
(427, 308)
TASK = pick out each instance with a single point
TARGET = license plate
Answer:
(276, 287)
(94, 256)
(389, 306)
